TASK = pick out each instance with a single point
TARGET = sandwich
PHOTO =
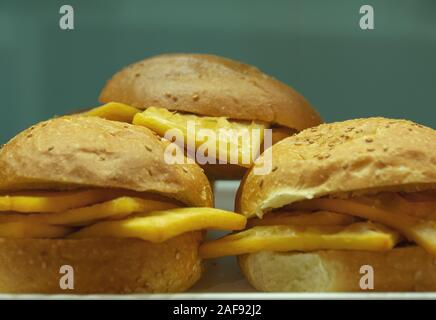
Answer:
(95, 197)
(209, 94)
(348, 206)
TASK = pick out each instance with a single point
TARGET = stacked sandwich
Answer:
(93, 191)
(339, 197)
(170, 91)
(97, 196)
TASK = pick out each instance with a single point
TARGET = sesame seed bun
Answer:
(77, 152)
(211, 86)
(400, 269)
(90, 152)
(343, 159)
(100, 265)
(358, 156)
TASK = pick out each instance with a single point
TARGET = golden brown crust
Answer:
(361, 155)
(78, 151)
(209, 85)
(100, 265)
(400, 269)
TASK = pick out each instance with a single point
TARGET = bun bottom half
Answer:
(400, 269)
(100, 265)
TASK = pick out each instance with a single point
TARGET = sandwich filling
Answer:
(371, 223)
(218, 139)
(102, 213)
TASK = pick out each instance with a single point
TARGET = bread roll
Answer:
(211, 86)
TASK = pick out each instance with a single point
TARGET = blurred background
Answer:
(315, 46)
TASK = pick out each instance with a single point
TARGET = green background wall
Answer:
(315, 46)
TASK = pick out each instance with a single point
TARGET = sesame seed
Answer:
(369, 140)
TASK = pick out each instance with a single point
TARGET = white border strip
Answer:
(231, 296)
